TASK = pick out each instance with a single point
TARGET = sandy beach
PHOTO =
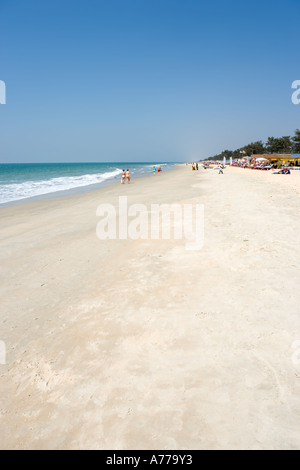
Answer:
(141, 344)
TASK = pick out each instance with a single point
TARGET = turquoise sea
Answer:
(20, 182)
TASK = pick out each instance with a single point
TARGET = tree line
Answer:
(284, 144)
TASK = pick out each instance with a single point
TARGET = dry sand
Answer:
(141, 344)
(291, 182)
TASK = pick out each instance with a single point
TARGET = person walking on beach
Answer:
(154, 170)
(123, 177)
(197, 166)
(220, 170)
(128, 175)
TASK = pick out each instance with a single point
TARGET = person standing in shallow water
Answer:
(128, 175)
(123, 176)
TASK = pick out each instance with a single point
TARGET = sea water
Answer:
(23, 182)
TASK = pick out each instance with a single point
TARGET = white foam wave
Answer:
(16, 191)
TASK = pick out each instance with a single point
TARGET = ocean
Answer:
(24, 182)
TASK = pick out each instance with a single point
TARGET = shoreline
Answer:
(71, 200)
(75, 190)
(141, 344)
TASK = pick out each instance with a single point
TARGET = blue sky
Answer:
(145, 80)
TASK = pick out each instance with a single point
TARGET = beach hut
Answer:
(281, 159)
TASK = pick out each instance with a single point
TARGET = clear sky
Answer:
(145, 80)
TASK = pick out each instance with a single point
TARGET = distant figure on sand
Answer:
(154, 170)
(220, 170)
(283, 171)
(197, 166)
(128, 175)
(123, 177)
(158, 169)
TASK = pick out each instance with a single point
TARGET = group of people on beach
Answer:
(220, 167)
(125, 176)
(154, 170)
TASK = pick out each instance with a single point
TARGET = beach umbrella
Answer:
(261, 159)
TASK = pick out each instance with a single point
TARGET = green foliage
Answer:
(284, 144)
(296, 141)
(254, 148)
(279, 145)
